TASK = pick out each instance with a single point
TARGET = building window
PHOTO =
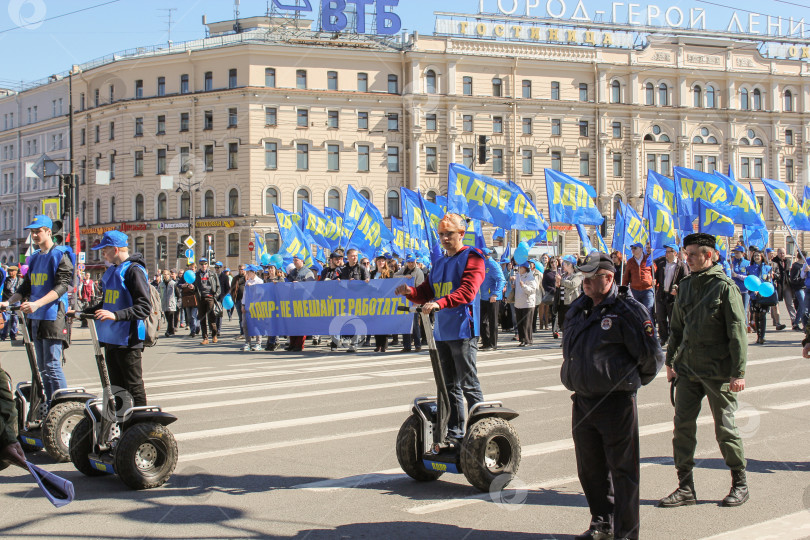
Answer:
(138, 163)
(270, 155)
(362, 82)
(332, 119)
(745, 167)
(497, 124)
(233, 245)
(270, 77)
(303, 118)
(366, 194)
(526, 87)
(430, 82)
(209, 81)
(272, 242)
(789, 170)
(112, 131)
(788, 101)
(393, 159)
(710, 97)
(270, 116)
(430, 122)
(233, 117)
(497, 161)
(96, 101)
(467, 123)
(162, 204)
(699, 163)
(393, 204)
(497, 87)
(431, 164)
(651, 161)
(208, 120)
(467, 157)
(711, 164)
(362, 120)
(556, 161)
(757, 167)
(393, 84)
(665, 165)
(584, 164)
(185, 204)
(467, 86)
(363, 152)
(649, 94)
(583, 91)
(301, 197)
(138, 90)
(139, 127)
(233, 155)
(583, 128)
(528, 162)
(331, 80)
(617, 130)
(231, 78)
(208, 204)
(556, 127)
(139, 207)
(82, 137)
(161, 125)
(161, 86)
(208, 157)
(301, 79)
(270, 199)
(332, 157)
(744, 99)
(663, 95)
(112, 209)
(393, 122)
(697, 94)
(233, 202)
(617, 164)
(789, 137)
(184, 84)
(757, 105)
(96, 139)
(615, 92)
(161, 161)
(333, 199)
(527, 126)
(302, 157)
(555, 90)
(184, 123)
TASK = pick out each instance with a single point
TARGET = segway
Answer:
(38, 425)
(135, 445)
(490, 449)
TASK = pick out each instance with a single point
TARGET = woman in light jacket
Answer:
(526, 285)
(570, 288)
(168, 301)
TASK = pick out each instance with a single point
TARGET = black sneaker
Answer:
(780, 326)
(332, 346)
(595, 534)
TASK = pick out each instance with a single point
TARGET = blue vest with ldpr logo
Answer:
(460, 322)
(116, 298)
(42, 274)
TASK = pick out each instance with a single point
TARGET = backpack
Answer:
(154, 320)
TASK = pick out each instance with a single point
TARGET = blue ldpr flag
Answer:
(259, 248)
(434, 246)
(617, 242)
(477, 196)
(370, 232)
(474, 236)
(692, 185)
(325, 232)
(337, 217)
(601, 242)
(525, 216)
(742, 204)
(570, 201)
(629, 229)
(712, 221)
(293, 240)
(499, 233)
(355, 204)
(414, 219)
(786, 205)
(662, 224)
(587, 247)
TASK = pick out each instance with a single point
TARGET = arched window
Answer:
(272, 243)
(663, 138)
(758, 142)
(366, 193)
(430, 82)
(710, 101)
(83, 215)
(698, 96)
(185, 206)
(616, 203)
(301, 197)
(649, 137)
(497, 87)
(233, 202)
(112, 209)
(744, 99)
(208, 204)
(757, 100)
(615, 92)
(788, 101)
(745, 142)
(393, 203)
(649, 91)
(270, 198)
(711, 140)
(161, 206)
(431, 196)
(697, 139)
(663, 95)
(333, 199)
(139, 207)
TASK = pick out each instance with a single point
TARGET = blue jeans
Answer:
(10, 327)
(746, 297)
(191, 320)
(461, 380)
(801, 310)
(49, 362)
(646, 297)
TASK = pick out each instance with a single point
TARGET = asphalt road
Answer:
(301, 445)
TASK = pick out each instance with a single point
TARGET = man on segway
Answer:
(126, 302)
(453, 289)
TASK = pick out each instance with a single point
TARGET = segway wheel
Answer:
(81, 446)
(409, 451)
(27, 448)
(146, 455)
(58, 429)
(490, 449)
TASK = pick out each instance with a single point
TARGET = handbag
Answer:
(548, 298)
(510, 298)
(217, 310)
(766, 301)
(188, 300)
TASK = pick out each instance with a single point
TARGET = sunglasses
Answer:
(593, 276)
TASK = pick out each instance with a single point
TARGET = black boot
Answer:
(684, 495)
(760, 323)
(739, 489)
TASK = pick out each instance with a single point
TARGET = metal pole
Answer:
(73, 187)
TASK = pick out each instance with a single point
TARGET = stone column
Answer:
(635, 180)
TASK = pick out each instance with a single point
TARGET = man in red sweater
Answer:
(453, 289)
(640, 277)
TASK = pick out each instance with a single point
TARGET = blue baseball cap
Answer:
(739, 249)
(253, 268)
(203, 260)
(388, 256)
(673, 247)
(527, 264)
(227, 269)
(40, 221)
(636, 245)
(410, 258)
(219, 264)
(768, 250)
(570, 259)
(110, 239)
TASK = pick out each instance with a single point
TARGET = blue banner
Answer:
(355, 204)
(587, 247)
(570, 201)
(712, 221)
(662, 225)
(326, 308)
(525, 216)
(320, 228)
(414, 220)
(786, 204)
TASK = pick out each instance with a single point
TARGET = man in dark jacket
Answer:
(126, 303)
(237, 293)
(206, 287)
(796, 284)
(351, 271)
(609, 351)
(10, 286)
(669, 272)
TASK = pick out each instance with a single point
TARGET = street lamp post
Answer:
(186, 184)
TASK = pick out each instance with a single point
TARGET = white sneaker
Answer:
(256, 347)
(246, 347)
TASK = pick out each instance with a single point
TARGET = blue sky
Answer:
(34, 52)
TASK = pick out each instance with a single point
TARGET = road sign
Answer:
(28, 240)
(81, 267)
(250, 246)
(190, 260)
(189, 253)
(189, 241)
(82, 257)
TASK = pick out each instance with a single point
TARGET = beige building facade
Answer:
(214, 132)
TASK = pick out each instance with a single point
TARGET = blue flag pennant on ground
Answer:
(570, 200)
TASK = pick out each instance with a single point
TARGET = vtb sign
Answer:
(334, 18)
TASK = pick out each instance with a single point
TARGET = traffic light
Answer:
(57, 234)
(603, 227)
(181, 250)
(483, 149)
(66, 185)
(161, 250)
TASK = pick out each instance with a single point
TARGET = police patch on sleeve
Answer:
(606, 323)
(648, 329)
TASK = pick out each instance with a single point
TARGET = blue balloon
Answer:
(276, 259)
(766, 289)
(227, 302)
(189, 276)
(539, 266)
(521, 254)
(265, 259)
(752, 283)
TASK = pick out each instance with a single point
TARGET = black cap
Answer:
(700, 239)
(335, 255)
(596, 260)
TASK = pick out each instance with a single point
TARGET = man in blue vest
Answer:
(453, 288)
(50, 276)
(126, 303)
(491, 296)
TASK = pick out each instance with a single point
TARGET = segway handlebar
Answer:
(11, 308)
(412, 309)
(84, 316)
